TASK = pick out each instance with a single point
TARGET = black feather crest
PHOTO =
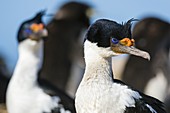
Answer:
(127, 27)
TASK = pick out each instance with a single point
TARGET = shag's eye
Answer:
(115, 41)
(28, 31)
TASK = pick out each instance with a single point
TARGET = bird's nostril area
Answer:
(36, 27)
(127, 42)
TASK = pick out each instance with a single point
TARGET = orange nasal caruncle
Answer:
(127, 42)
(36, 27)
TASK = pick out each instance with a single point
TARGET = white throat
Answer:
(30, 52)
(98, 62)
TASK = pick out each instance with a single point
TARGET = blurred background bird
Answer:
(24, 92)
(153, 35)
(63, 60)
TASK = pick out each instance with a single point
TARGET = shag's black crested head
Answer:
(38, 17)
(32, 28)
(103, 30)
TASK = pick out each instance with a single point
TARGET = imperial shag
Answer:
(98, 91)
(24, 94)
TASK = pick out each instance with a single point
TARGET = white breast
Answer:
(30, 101)
(92, 98)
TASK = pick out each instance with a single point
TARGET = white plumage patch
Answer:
(156, 85)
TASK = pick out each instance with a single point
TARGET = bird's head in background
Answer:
(75, 11)
(110, 38)
(33, 29)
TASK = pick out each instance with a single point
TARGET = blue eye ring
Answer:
(28, 31)
(115, 41)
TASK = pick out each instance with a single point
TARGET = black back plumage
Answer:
(140, 104)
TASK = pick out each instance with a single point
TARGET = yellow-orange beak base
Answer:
(127, 42)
